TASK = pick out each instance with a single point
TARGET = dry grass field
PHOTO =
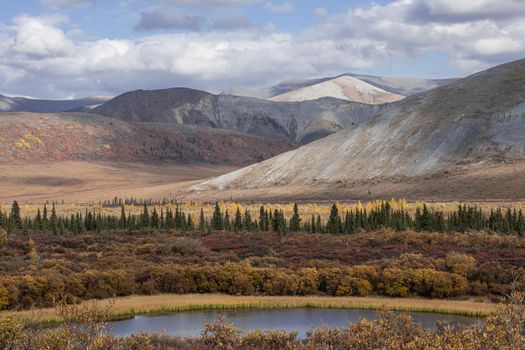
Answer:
(76, 181)
(125, 307)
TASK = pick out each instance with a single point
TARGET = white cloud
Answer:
(39, 37)
(283, 7)
(39, 58)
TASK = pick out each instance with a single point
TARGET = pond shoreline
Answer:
(163, 304)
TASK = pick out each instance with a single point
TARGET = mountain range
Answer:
(399, 86)
(472, 130)
(299, 122)
(350, 136)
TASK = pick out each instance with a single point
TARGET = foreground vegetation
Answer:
(39, 270)
(85, 329)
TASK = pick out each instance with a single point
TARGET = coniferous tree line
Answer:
(383, 216)
(118, 202)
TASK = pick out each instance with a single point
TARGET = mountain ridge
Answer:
(49, 137)
(477, 122)
(300, 122)
(404, 86)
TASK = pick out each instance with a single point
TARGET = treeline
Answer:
(118, 202)
(383, 216)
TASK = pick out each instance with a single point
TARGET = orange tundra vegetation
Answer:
(41, 269)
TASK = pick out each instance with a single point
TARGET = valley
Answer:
(81, 181)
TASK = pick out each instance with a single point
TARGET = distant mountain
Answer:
(402, 85)
(394, 85)
(468, 138)
(30, 138)
(344, 87)
(300, 122)
(22, 104)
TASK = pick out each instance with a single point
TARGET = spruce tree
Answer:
(295, 220)
(334, 221)
(281, 223)
(123, 220)
(145, 217)
(217, 219)
(425, 221)
(202, 221)
(237, 223)
(520, 224)
(263, 219)
(247, 220)
(44, 218)
(155, 221)
(227, 223)
(38, 221)
(53, 220)
(16, 221)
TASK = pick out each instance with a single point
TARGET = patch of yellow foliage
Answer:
(27, 141)
(106, 147)
(23, 144)
(35, 139)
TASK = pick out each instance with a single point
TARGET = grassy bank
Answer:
(127, 307)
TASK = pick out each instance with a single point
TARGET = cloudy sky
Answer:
(75, 48)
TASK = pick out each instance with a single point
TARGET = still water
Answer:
(189, 324)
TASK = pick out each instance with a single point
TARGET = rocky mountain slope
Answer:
(300, 122)
(22, 104)
(474, 126)
(344, 87)
(395, 85)
(29, 138)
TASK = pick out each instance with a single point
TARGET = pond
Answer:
(189, 324)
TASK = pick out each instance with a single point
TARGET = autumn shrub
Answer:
(139, 341)
(461, 264)
(221, 335)
(11, 332)
(395, 282)
(438, 284)
(270, 340)
(39, 271)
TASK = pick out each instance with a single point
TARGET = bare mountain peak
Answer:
(344, 87)
(403, 86)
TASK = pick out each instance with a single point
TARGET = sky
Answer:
(74, 48)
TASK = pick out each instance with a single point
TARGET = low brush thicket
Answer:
(39, 270)
(85, 329)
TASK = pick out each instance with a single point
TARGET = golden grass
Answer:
(127, 307)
